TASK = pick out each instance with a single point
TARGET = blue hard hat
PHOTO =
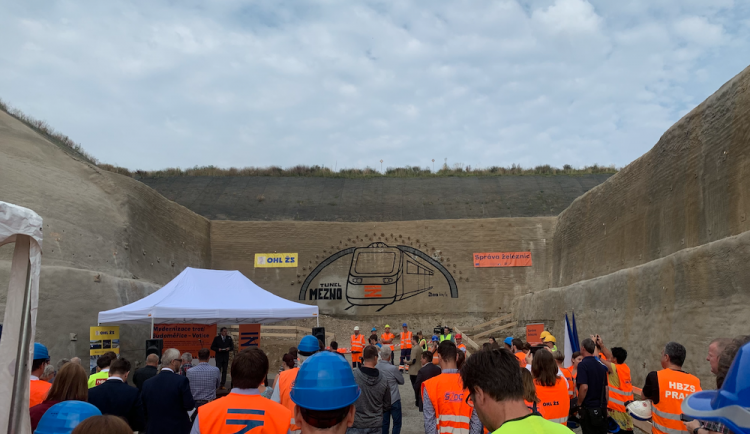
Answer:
(374, 329)
(508, 340)
(403, 325)
(308, 345)
(572, 424)
(729, 405)
(40, 352)
(62, 417)
(434, 339)
(612, 426)
(325, 382)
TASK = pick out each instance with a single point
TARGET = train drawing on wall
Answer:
(380, 275)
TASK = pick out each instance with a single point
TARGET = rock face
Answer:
(658, 252)
(375, 199)
(108, 239)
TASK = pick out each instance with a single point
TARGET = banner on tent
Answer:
(276, 260)
(533, 333)
(502, 259)
(249, 336)
(103, 340)
(188, 338)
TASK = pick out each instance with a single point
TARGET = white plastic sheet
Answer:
(16, 224)
(198, 296)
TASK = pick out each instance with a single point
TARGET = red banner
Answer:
(502, 259)
(188, 338)
(249, 336)
(533, 333)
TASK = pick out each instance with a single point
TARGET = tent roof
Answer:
(198, 296)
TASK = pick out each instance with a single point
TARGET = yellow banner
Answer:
(103, 340)
(276, 260)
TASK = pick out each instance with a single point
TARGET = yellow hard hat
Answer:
(387, 326)
(550, 338)
(544, 334)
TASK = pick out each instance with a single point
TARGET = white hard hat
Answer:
(640, 410)
(356, 328)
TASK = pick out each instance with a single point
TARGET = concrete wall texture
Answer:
(655, 253)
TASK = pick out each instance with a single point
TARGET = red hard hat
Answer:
(458, 336)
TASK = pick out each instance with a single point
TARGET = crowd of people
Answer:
(514, 387)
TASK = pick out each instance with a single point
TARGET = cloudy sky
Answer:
(156, 84)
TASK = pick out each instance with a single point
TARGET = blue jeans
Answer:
(394, 412)
(352, 430)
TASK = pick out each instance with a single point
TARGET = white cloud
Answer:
(348, 83)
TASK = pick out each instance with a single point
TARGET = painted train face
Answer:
(380, 275)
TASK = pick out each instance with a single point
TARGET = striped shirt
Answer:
(204, 380)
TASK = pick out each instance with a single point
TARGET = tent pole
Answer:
(24, 344)
(317, 319)
(152, 326)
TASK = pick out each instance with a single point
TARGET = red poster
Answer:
(533, 333)
(249, 336)
(502, 259)
(188, 338)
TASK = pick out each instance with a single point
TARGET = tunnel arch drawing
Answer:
(380, 275)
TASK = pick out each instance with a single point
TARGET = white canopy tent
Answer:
(23, 227)
(198, 296)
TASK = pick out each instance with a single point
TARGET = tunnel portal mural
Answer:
(380, 275)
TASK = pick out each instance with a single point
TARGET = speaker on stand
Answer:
(154, 346)
(320, 333)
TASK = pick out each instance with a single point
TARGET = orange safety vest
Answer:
(435, 358)
(674, 387)
(555, 403)
(38, 391)
(448, 397)
(521, 356)
(462, 347)
(618, 396)
(244, 413)
(405, 340)
(358, 345)
(388, 337)
(571, 385)
(286, 381)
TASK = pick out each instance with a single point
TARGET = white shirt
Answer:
(34, 377)
(167, 369)
(116, 378)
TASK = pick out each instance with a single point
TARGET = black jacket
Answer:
(167, 399)
(217, 345)
(117, 398)
(143, 374)
(428, 371)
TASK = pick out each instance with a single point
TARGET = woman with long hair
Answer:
(529, 391)
(70, 385)
(575, 359)
(550, 388)
(287, 363)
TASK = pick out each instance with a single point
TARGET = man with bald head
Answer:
(146, 372)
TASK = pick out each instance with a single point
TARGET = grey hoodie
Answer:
(374, 400)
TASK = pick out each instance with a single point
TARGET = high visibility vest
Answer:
(618, 396)
(435, 358)
(571, 386)
(406, 340)
(448, 397)
(358, 344)
(447, 337)
(98, 378)
(674, 387)
(521, 356)
(462, 347)
(555, 403)
(388, 337)
(423, 344)
(38, 391)
(286, 381)
(244, 413)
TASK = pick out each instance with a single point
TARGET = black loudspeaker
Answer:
(154, 346)
(320, 333)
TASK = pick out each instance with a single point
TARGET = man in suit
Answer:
(117, 398)
(428, 371)
(146, 372)
(167, 398)
(222, 345)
